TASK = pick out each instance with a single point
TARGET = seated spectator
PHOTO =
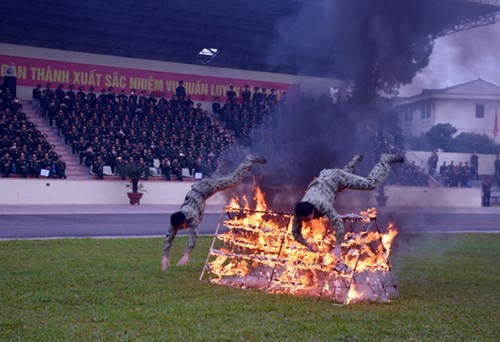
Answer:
(6, 165)
(177, 169)
(166, 168)
(88, 157)
(98, 167)
(119, 162)
(21, 166)
(80, 147)
(201, 168)
(60, 168)
(34, 167)
(141, 162)
(47, 165)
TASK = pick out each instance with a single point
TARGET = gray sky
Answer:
(461, 57)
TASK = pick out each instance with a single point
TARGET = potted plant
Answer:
(134, 172)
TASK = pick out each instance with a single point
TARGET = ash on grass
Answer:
(114, 290)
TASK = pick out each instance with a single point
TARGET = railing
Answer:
(412, 157)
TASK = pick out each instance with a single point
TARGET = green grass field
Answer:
(114, 290)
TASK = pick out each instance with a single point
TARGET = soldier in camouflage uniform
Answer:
(322, 191)
(191, 212)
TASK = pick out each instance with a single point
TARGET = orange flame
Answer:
(258, 251)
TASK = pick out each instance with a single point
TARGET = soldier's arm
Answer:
(167, 244)
(169, 238)
(337, 224)
(193, 235)
(297, 231)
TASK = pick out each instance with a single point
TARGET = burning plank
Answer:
(254, 249)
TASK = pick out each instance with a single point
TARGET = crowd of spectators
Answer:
(409, 174)
(457, 175)
(452, 175)
(241, 115)
(24, 150)
(406, 174)
(168, 133)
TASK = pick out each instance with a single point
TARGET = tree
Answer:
(441, 135)
(470, 142)
(420, 143)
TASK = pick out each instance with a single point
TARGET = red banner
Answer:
(31, 71)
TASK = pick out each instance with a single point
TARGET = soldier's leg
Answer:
(209, 186)
(377, 175)
(353, 164)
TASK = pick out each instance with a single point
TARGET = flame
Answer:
(258, 251)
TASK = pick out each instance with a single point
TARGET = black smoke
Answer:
(379, 45)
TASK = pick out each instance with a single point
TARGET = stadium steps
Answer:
(74, 170)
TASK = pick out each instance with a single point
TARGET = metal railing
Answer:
(411, 157)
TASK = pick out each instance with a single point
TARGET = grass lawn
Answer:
(110, 290)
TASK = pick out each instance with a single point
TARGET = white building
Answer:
(469, 107)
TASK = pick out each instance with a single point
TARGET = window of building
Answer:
(426, 111)
(480, 111)
(408, 115)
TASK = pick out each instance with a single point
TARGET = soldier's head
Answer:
(178, 220)
(304, 210)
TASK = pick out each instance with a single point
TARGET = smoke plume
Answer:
(459, 58)
(379, 45)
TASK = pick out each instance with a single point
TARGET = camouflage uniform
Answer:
(322, 191)
(194, 203)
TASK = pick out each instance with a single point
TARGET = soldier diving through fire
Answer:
(191, 212)
(322, 191)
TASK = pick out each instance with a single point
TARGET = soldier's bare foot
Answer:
(256, 158)
(358, 157)
(392, 158)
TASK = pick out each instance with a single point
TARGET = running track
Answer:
(34, 222)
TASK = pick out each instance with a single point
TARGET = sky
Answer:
(460, 57)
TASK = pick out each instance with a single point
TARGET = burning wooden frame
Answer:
(254, 249)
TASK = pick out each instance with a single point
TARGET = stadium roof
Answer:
(234, 33)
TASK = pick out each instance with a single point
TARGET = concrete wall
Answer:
(49, 191)
(413, 197)
(54, 191)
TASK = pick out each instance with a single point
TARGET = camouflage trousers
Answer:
(194, 203)
(207, 187)
(323, 191)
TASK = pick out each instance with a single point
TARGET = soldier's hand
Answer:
(312, 247)
(184, 260)
(165, 263)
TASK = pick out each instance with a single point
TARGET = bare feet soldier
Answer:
(191, 212)
(321, 194)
